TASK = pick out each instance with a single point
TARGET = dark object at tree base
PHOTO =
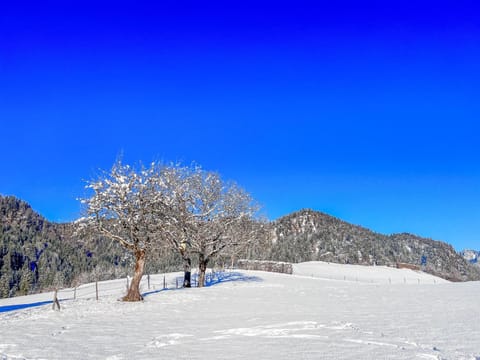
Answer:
(187, 280)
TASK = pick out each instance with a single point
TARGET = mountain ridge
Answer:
(309, 235)
(36, 254)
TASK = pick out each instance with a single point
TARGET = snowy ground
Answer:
(323, 311)
(364, 274)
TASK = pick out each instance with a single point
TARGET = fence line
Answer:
(157, 282)
(374, 280)
(118, 287)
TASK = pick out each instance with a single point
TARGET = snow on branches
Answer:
(186, 208)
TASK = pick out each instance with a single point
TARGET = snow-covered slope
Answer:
(365, 274)
(257, 315)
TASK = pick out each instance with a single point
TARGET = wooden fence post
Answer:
(56, 303)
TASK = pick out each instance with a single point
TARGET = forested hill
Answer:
(36, 254)
(309, 235)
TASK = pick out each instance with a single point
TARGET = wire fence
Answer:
(151, 284)
(98, 290)
(119, 287)
(367, 275)
(393, 280)
(148, 285)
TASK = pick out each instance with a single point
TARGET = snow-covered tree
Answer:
(202, 215)
(175, 210)
(185, 208)
(216, 208)
(125, 208)
(251, 237)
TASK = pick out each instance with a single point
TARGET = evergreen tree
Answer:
(4, 286)
(26, 280)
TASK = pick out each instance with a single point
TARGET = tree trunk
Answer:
(202, 266)
(187, 267)
(133, 293)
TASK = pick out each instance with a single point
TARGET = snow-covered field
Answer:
(323, 311)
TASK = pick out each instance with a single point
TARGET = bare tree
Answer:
(202, 214)
(251, 237)
(121, 209)
(216, 208)
(178, 194)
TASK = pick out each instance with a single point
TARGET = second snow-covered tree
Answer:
(217, 208)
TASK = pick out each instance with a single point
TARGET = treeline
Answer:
(37, 255)
(32, 253)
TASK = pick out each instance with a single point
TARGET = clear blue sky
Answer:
(366, 110)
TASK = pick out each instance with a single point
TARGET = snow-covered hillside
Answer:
(323, 311)
(365, 274)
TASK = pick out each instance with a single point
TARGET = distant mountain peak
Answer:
(472, 256)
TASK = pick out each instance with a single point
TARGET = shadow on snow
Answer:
(212, 279)
(224, 277)
(23, 306)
